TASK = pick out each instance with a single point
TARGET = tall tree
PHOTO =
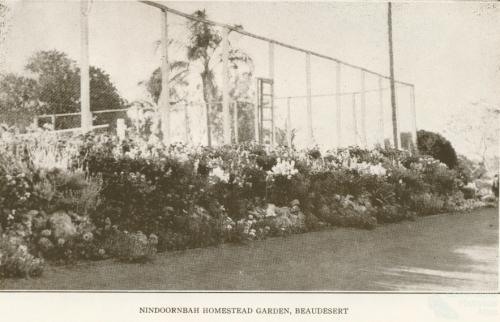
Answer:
(54, 87)
(18, 99)
(477, 128)
(179, 70)
(178, 90)
(58, 84)
(204, 50)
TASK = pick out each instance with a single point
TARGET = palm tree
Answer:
(179, 70)
(204, 53)
(204, 50)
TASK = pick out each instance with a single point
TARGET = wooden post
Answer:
(363, 109)
(355, 119)
(271, 76)
(121, 129)
(395, 131)
(338, 100)
(288, 123)
(86, 116)
(309, 101)
(53, 121)
(164, 101)
(235, 120)
(414, 117)
(256, 111)
(381, 111)
(187, 132)
(226, 117)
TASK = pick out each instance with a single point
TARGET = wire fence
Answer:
(315, 99)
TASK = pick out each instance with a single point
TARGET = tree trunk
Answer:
(207, 99)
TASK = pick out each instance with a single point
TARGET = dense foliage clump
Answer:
(95, 196)
(438, 147)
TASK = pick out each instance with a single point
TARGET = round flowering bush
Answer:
(133, 247)
(16, 195)
(16, 261)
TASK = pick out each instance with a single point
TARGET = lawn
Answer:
(452, 252)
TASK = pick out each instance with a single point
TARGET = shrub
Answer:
(132, 247)
(16, 261)
(348, 212)
(435, 145)
(427, 203)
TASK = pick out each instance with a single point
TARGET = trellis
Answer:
(164, 101)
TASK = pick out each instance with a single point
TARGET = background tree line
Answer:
(50, 84)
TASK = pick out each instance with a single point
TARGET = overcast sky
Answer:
(450, 51)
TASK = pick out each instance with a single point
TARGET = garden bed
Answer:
(94, 197)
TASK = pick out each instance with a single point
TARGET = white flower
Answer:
(284, 168)
(471, 185)
(378, 170)
(220, 174)
(88, 236)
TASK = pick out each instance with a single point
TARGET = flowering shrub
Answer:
(133, 247)
(16, 261)
(347, 211)
(283, 168)
(95, 196)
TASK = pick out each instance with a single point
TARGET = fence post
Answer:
(121, 129)
(338, 101)
(355, 119)
(381, 111)
(309, 101)
(288, 123)
(363, 109)
(271, 76)
(395, 125)
(235, 120)
(414, 116)
(187, 131)
(226, 119)
(86, 116)
(256, 111)
(164, 101)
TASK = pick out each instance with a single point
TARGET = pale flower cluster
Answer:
(219, 174)
(368, 168)
(283, 168)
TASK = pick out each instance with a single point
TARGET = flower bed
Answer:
(96, 197)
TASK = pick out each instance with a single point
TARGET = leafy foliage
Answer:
(435, 145)
(106, 196)
(55, 88)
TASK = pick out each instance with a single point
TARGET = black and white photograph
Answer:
(250, 147)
